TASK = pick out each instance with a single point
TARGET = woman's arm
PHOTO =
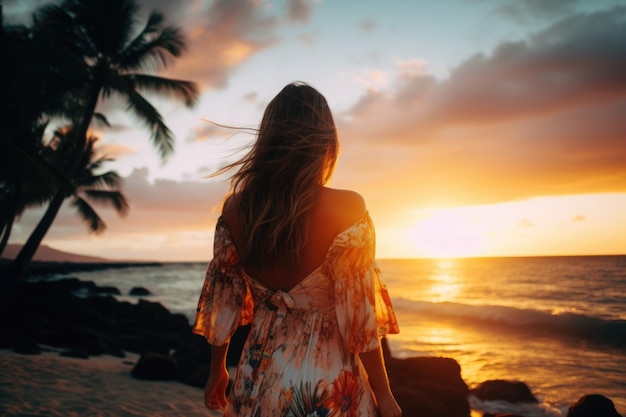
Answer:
(377, 374)
(215, 388)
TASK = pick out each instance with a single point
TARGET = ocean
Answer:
(556, 323)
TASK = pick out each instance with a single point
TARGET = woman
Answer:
(296, 259)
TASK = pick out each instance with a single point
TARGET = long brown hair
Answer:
(279, 180)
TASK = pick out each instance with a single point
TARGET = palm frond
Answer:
(161, 136)
(105, 26)
(155, 20)
(112, 198)
(109, 179)
(88, 215)
(186, 91)
(38, 179)
(95, 164)
(156, 52)
(64, 20)
(153, 25)
(99, 117)
(54, 17)
(121, 21)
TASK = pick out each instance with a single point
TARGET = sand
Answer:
(51, 385)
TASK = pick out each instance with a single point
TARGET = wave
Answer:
(525, 322)
(507, 408)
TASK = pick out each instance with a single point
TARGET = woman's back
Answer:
(335, 211)
(296, 261)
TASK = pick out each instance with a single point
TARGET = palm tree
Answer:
(100, 32)
(88, 187)
(34, 88)
(26, 180)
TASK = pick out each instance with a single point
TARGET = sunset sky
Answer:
(471, 127)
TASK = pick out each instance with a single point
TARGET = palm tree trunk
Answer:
(18, 266)
(83, 127)
(6, 233)
(7, 215)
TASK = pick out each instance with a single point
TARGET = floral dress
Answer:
(300, 358)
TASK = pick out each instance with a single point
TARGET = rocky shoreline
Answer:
(83, 320)
(43, 268)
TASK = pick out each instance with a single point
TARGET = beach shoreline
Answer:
(52, 385)
(114, 334)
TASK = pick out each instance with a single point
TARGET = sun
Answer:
(447, 233)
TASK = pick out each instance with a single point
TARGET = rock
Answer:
(139, 291)
(152, 308)
(428, 386)
(198, 377)
(26, 347)
(105, 290)
(103, 346)
(193, 361)
(173, 323)
(75, 353)
(51, 313)
(593, 405)
(498, 389)
(156, 367)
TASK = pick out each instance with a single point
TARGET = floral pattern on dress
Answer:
(300, 358)
(345, 395)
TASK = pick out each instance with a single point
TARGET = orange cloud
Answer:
(222, 38)
(116, 150)
(226, 33)
(541, 117)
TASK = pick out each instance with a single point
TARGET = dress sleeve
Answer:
(225, 301)
(362, 303)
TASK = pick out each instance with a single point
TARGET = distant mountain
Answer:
(48, 254)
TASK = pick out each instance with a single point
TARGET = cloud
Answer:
(251, 97)
(367, 25)
(307, 38)
(525, 224)
(577, 60)
(543, 116)
(206, 131)
(21, 12)
(116, 150)
(298, 10)
(221, 36)
(522, 11)
(171, 196)
(373, 80)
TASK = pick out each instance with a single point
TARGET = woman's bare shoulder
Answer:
(230, 214)
(344, 207)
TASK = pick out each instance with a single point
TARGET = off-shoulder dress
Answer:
(300, 358)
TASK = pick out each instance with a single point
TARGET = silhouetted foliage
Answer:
(88, 186)
(103, 52)
(35, 87)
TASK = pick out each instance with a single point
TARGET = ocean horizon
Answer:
(557, 323)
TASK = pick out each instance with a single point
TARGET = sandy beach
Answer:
(51, 385)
